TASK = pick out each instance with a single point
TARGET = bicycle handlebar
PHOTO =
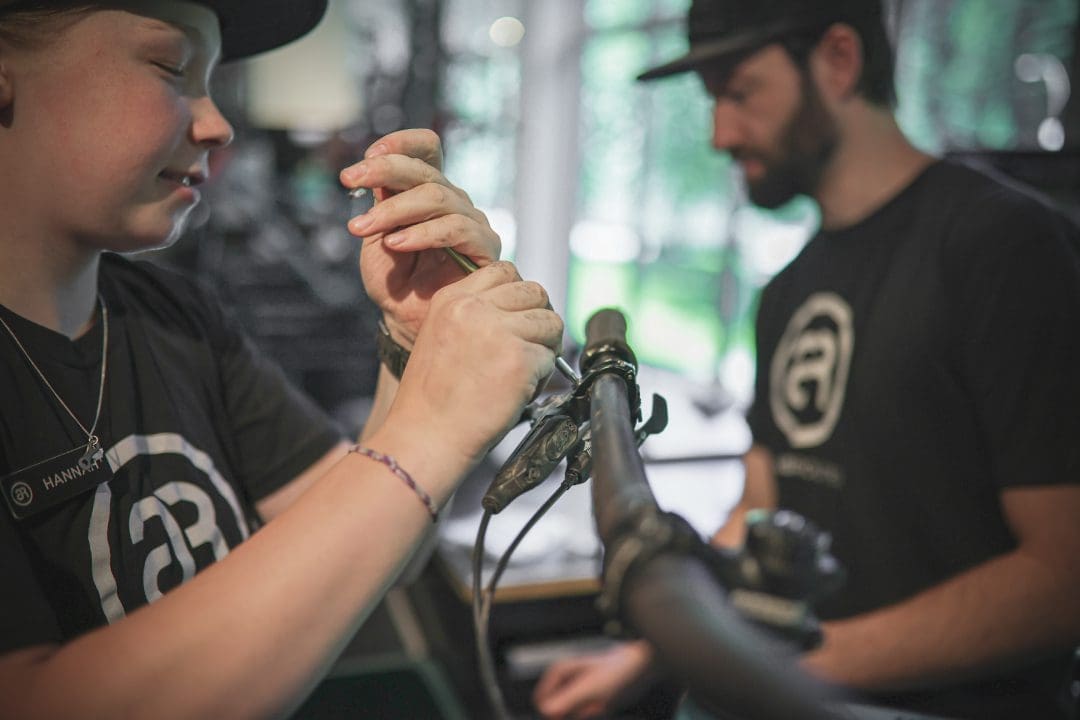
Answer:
(664, 591)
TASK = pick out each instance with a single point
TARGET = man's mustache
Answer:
(741, 155)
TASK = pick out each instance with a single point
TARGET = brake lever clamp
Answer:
(645, 537)
(579, 462)
(610, 364)
(559, 430)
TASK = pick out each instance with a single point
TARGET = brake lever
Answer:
(532, 461)
(579, 463)
(560, 430)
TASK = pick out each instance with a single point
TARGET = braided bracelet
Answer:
(401, 473)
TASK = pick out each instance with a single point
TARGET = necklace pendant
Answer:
(93, 453)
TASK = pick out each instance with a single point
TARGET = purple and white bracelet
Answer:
(391, 463)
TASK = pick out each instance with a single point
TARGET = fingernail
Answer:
(377, 149)
(354, 174)
(361, 223)
(394, 240)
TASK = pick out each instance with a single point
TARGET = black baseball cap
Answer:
(248, 27)
(722, 30)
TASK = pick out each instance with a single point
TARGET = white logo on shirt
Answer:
(180, 541)
(809, 370)
(204, 531)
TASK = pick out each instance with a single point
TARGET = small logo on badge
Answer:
(21, 494)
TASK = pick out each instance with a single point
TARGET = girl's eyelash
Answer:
(174, 71)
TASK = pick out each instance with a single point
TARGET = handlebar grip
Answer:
(605, 335)
(606, 326)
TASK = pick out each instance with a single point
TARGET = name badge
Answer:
(55, 480)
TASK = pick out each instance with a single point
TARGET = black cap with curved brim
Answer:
(727, 30)
(249, 27)
(719, 49)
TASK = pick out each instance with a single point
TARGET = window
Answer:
(657, 223)
(662, 228)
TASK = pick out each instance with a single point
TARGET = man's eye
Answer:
(736, 96)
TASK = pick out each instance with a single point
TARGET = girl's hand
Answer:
(417, 213)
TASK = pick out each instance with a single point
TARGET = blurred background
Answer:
(608, 193)
(603, 189)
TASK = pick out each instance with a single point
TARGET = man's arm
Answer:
(1006, 610)
(759, 491)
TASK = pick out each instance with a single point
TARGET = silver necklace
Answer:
(93, 443)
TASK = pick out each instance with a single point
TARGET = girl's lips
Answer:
(183, 185)
(185, 178)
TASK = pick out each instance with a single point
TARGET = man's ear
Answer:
(839, 57)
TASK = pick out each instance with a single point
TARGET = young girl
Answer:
(143, 440)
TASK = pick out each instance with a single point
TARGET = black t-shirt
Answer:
(196, 426)
(912, 367)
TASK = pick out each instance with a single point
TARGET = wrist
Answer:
(398, 332)
(825, 662)
(641, 658)
(438, 470)
(640, 649)
(392, 354)
(391, 464)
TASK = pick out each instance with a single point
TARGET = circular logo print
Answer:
(809, 370)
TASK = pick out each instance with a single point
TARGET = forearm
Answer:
(732, 533)
(250, 635)
(995, 615)
(385, 389)
(759, 491)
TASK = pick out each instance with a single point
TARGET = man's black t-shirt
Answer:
(196, 427)
(911, 368)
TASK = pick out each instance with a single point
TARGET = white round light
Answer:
(1051, 134)
(506, 31)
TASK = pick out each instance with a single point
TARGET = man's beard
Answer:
(807, 144)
